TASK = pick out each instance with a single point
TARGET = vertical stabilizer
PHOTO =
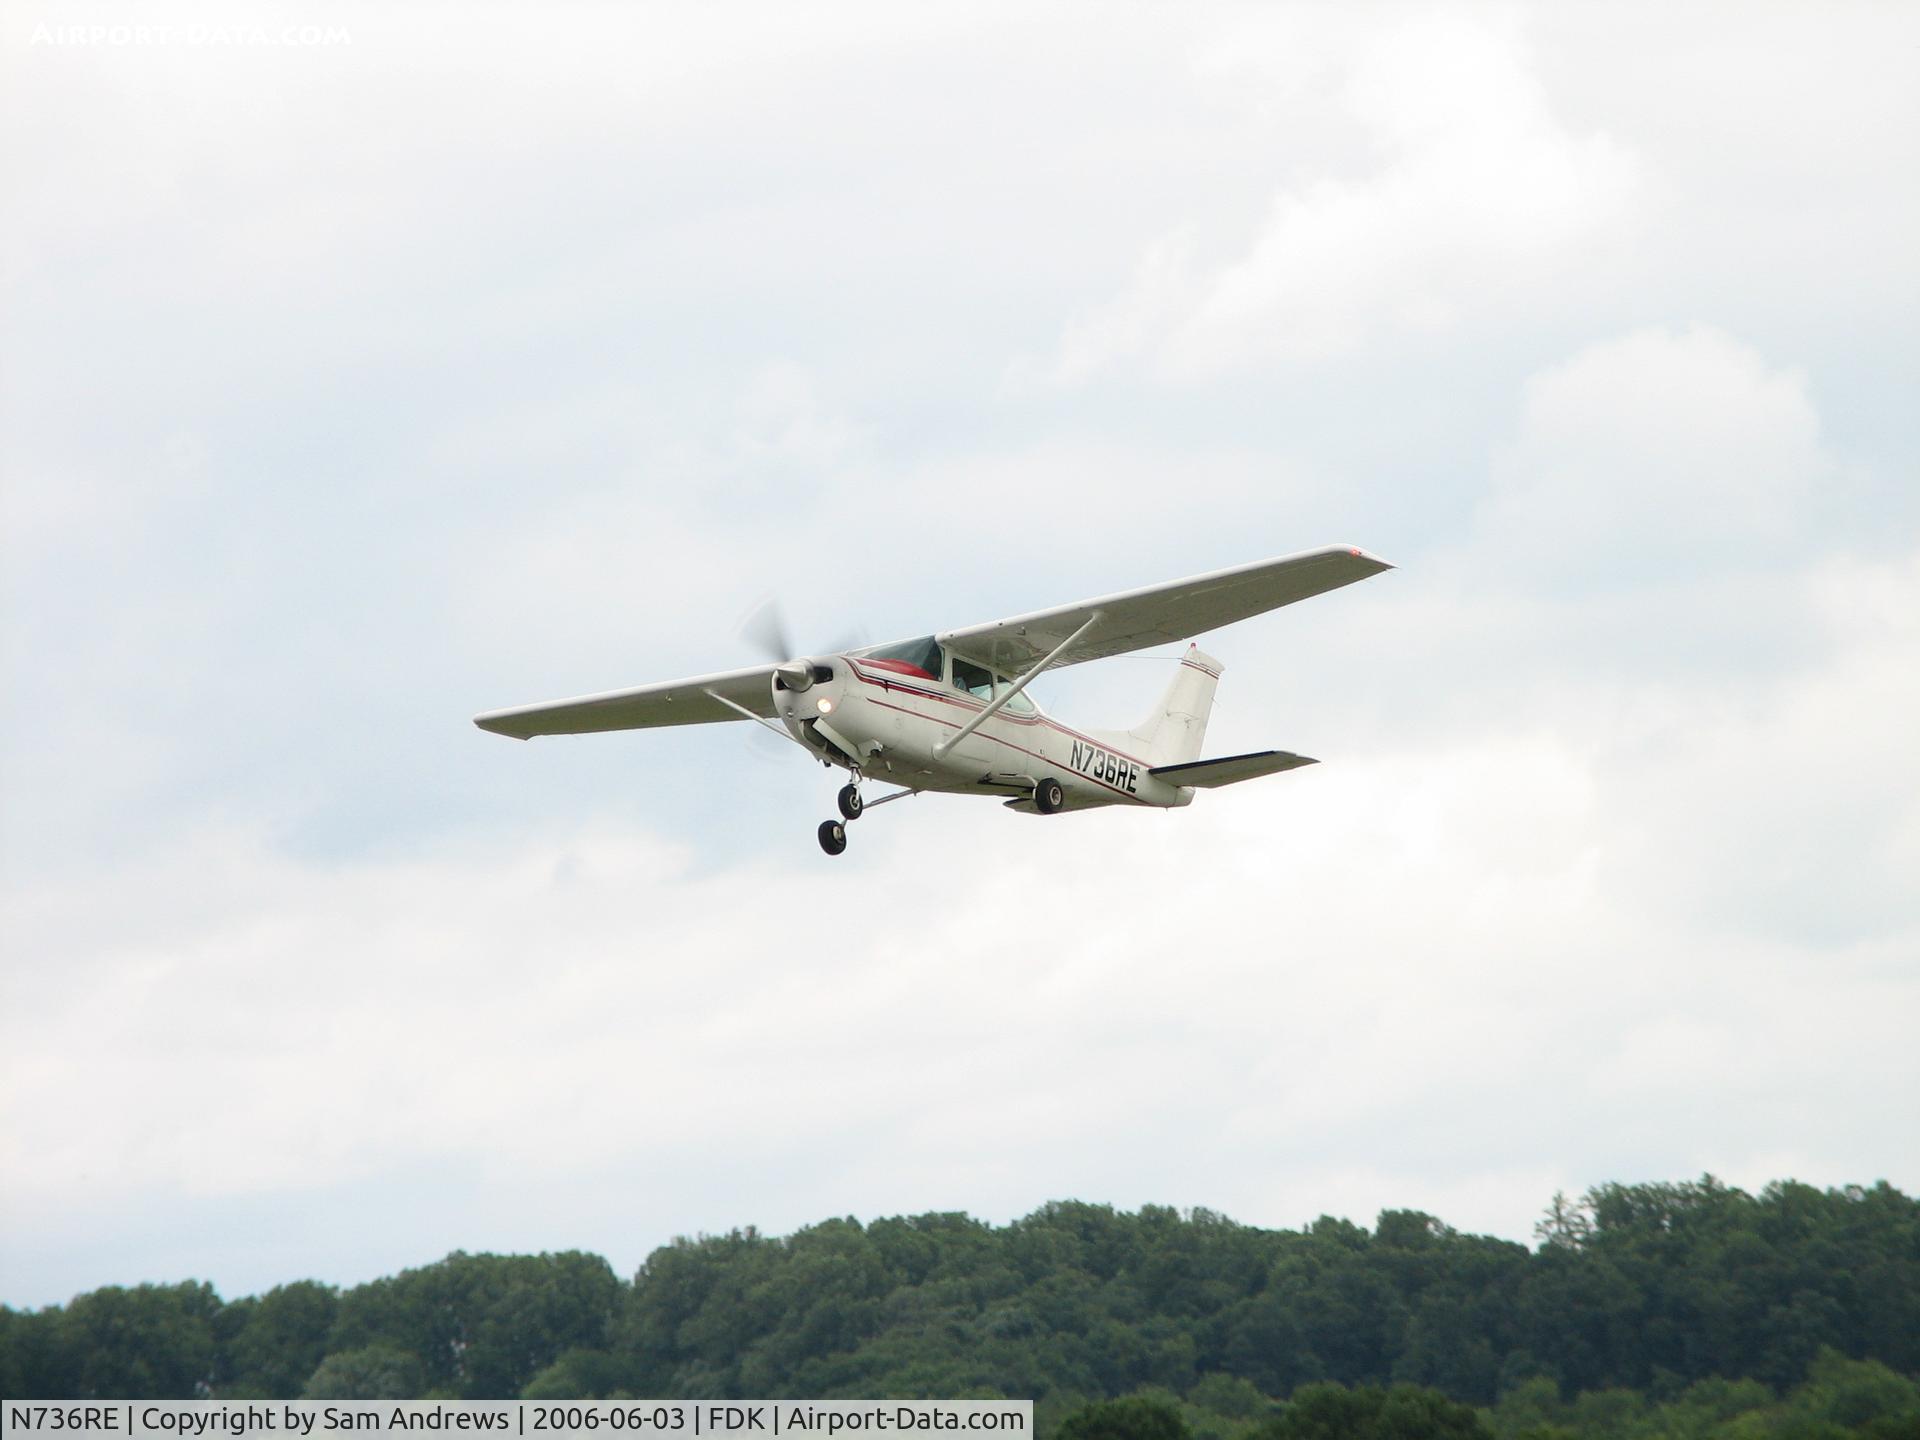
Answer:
(1173, 733)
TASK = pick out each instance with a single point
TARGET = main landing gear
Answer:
(833, 836)
(1049, 796)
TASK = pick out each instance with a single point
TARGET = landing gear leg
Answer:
(833, 833)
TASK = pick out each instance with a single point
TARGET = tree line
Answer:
(1647, 1290)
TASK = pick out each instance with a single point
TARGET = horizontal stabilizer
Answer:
(1211, 774)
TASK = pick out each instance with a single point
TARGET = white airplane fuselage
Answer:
(893, 720)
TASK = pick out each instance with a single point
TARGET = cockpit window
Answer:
(988, 686)
(921, 657)
(971, 678)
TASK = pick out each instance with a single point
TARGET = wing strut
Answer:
(779, 730)
(993, 709)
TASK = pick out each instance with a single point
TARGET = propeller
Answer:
(765, 628)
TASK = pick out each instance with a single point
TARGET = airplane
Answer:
(950, 712)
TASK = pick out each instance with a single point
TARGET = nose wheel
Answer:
(833, 833)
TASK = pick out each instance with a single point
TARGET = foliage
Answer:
(375, 1372)
(1680, 1310)
(581, 1375)
(126, 1344)
(484, 1325)
(1839, 1397)
(1406, 1412)
(276, 1342)
(1137, 1417)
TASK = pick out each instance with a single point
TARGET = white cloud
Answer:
(1660, 453)
(1479, 200)
(1744, 797)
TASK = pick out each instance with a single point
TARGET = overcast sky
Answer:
(368, 368)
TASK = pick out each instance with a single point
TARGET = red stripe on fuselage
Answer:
(1048, 721)
(899, 667)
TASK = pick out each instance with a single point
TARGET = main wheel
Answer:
(850, 802)
(1049, 796)
(833, 836)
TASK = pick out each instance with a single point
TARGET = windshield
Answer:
(921, 657)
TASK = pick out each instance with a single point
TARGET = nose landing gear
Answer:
(833, 833)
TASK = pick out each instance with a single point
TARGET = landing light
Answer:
(826, 705)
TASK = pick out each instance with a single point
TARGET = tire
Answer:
(833, 836)
(1049, 796)
(850, 803)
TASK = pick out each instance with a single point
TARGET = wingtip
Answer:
(1370, 557)
(492, 724)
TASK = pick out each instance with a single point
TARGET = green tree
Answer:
(1567, 1224)
(1230, 1396)
(1856, 1394)
(1136, 1417)
(148, 1342)
(580, 1375)
(39, 1356)
(1406, 1412)
(375, 1372)
(484, 1325)
(281, 1341)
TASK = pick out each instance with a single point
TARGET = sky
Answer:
(368, 367)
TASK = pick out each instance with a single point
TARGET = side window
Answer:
(987, 686)
(971, 678)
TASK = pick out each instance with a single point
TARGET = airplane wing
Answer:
(673, 702)
(1157, 614)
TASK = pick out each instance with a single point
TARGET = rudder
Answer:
(1175, 731)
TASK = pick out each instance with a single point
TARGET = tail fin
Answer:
(1173, 733)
